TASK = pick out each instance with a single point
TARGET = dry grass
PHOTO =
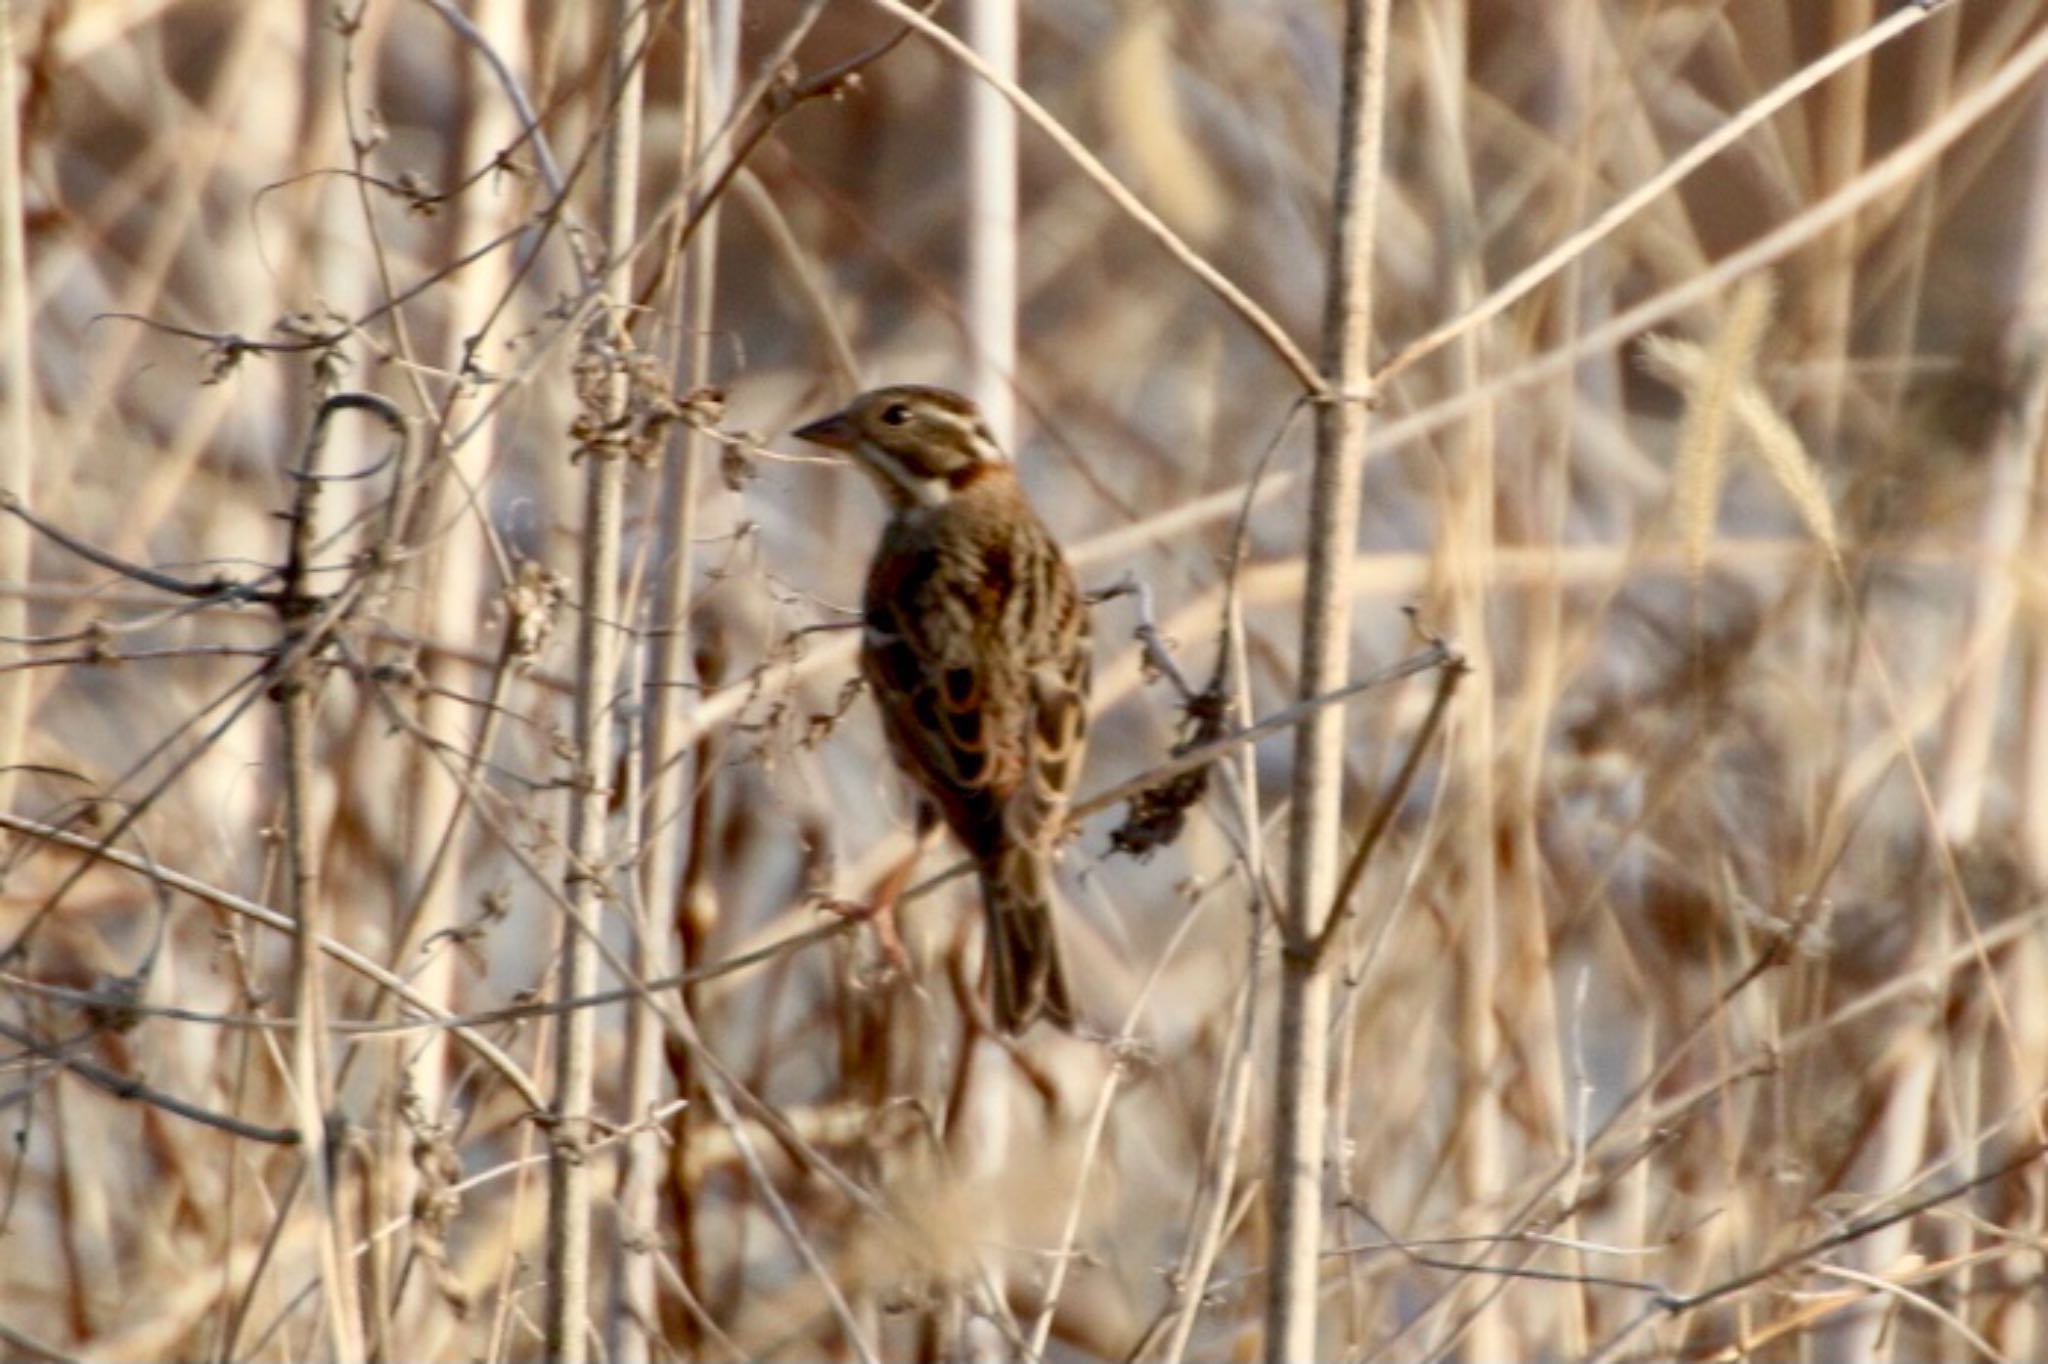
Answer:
(1695, 1002)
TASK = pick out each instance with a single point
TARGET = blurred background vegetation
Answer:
(1711, 937)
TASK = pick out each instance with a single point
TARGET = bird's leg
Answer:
(880, 909)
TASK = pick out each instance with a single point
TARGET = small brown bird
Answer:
(976, 647)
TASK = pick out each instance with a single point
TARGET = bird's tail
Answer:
(1023, 946)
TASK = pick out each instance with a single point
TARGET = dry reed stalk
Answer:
(1091, 166)
(1727, 133)
(1878, 181)
(1840, 141)
(668, 812)
(17, 434)
(441, 591)
(1963, 769)
(991, 248)
(1491, 963)
(1580, 60)
(991, 218)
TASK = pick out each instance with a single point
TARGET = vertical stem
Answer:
(2033, 759)
(311, 1075)
(568, 1291)
(1576, 60)
(1218, 1178)
(1968, 758)
(17, 383)
(634, 1321)
(450, 572)
(992, 218)
(1843, 106)
(448, 586)
(2024, 1335)
(1218, 1174)
(1493, 949)
(1341, 419)
(312, 1072)
(990, 223)
(667, 813)
(1963, 769)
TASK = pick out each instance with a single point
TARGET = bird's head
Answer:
(921, 445)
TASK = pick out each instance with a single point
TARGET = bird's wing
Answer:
(1061, 664)
(936, 692)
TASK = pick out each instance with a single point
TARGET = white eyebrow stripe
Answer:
(972, 431)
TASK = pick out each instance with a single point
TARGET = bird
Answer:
(975, 644)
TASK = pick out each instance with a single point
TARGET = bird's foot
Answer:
(882, 916)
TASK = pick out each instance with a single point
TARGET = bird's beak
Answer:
(835, 432)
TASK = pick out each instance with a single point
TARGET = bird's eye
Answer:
(896, 414)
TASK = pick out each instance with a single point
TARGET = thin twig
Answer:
(485, 1050)
(1261, 322)
(1452, 671)
(1436, 655)
(128, 1088)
